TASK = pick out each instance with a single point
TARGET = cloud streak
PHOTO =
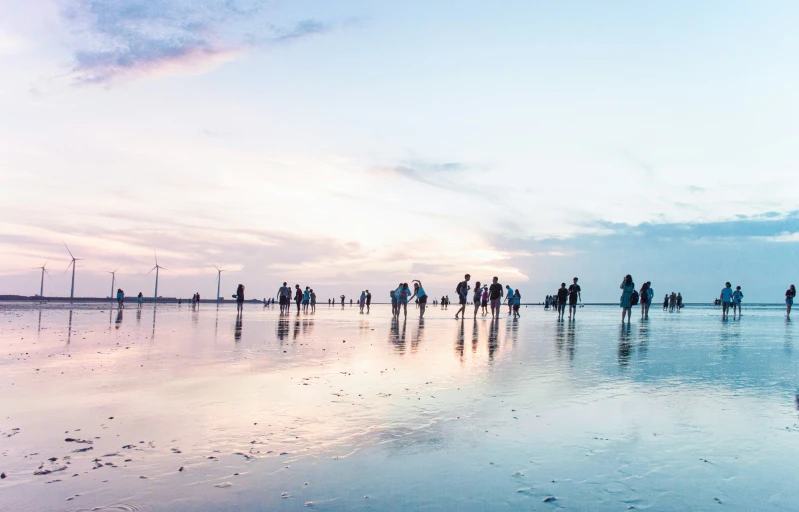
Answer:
(133, 37)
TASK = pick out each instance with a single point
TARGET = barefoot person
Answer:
(495, 293)
(575, 296)
(362, 301)
(790, 293)
(478, 298)
(647, 293)
(627, 288)
(368, 301)
(517, 302)
(421, 296)
(737, 297)
(562, 297)
(403, 293)
(509, 299)
(120, 299)
(726, 299)
(462, 290)
(240, 299)
(283, 294)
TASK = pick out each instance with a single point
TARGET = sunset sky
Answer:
(351, 145)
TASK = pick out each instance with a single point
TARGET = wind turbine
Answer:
(44, 271)
(218, 280)
(71, 264)
(157, 267)
(113, 279)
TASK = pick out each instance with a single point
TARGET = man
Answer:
(726, 299)
(563, 295)
(463, 290)
(306, 299)
(574, 297)
(509, 298)
(495, 293)
(368, 301)
(283, 295)
(298, 297)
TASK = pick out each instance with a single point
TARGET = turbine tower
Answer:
(71, 264)
(113, 279)
(218, 280)
(44, 271)
(157, 267)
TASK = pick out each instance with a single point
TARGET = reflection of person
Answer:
(627, 288)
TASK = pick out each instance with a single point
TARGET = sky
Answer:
(354, 145)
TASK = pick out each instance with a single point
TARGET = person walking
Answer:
(517, 302)
(575, 296)
(313, 301)
(509, 299)
(737, 297)
(283, 294)
(666, 302)
(495, 293)
(627, 288)
(239, 299)
(462, 290)
(478, 298)
(120, 299)
(562, 297)
(726, 299)
(790, 294)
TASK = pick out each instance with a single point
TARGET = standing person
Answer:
(517, 302)
(342, 301)
(394, 308)
(484, 299)
(283, 295)
(665, 302)
(362, 301)
(562, 297)
(575, 295)
(478, 298)
(627, 288)
(737, 296)
(368, 301)
(421, 296)
(240, 299)
(462, 290)
(120, 299)
(672, 302)
(403, 293)
(446, 302)
(647, 294)
(790, 293)
(298, 297)
(726, 299)
(509, 298)
(306, 299)
(313, 301)
(679, 302)
(495, 293)
(139, 300)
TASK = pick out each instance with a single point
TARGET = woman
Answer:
(421, 296)
(666, 302)
(240, 299)
(627, 288)
(120, 299)
(298, 297)
(478, 298)
(484, 299)
(789, 295)
(362, 301)
(646, 299)
(402, 293)
(139, 300)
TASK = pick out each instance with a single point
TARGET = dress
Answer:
(626, 294)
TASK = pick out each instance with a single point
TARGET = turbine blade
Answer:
(119, 267)
(215, 266)
(70, 252)
(150, 272)
(70, 264)
(156, 257)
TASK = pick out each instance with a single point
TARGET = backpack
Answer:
(404, 293)
(634, 298)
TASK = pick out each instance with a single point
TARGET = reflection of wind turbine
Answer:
(218, 280)
(44, 271)
(113, 279)
(72, 264)
(157, 267)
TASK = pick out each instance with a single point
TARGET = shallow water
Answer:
(341, 411)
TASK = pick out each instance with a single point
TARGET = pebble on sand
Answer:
(549, 499)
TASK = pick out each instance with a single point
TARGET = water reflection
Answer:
(571, 339)
(69, 328)
(643, 339)
(624, 345)
(118, 320)
(396, 335)
(460, 340)
(419, 337)
(237, 330)
(493, 338)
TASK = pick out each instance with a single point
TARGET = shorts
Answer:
(304, 302)
(283, 301)
(572, 303)
(789, 300)
(423, 299)
(495, 303)
(484, 303)
(516, 307)
(462, 300)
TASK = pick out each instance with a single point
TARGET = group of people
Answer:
(365, 301)
(485, 296)
(402, 294)
(305, 299)
(673, 302)
(571, 296)
(121, 299)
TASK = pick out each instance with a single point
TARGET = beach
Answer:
(174, 408)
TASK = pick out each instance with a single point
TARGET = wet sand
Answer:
(176, 410)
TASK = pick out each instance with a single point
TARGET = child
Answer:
(737, 295)
(517, 301)
(393, 295)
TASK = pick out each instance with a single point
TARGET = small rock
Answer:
(223, 485)
(549, 499)
(2, 476)
(181, 468)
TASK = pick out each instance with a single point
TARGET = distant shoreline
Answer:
(174, 300)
